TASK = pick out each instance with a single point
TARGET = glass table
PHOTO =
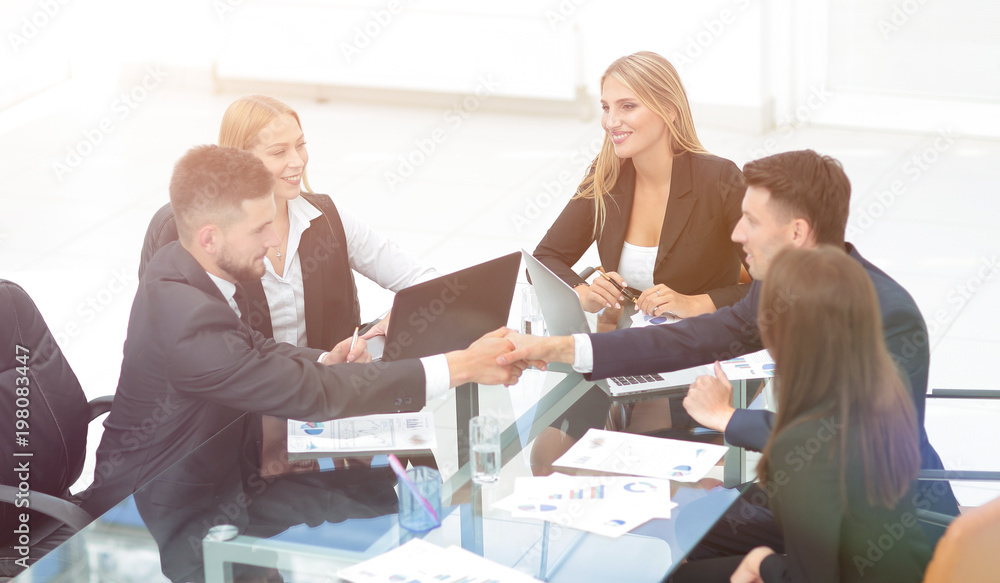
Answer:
(305, 527)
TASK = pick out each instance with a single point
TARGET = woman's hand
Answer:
(379, 329)
(749, 569)
(601, 293)
(660, 300)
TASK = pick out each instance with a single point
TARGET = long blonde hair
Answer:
(655, 82)
(247, 117)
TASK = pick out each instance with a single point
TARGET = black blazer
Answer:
(191, 367)
(826, 541)
(329, 291)
(696, 254)
(732, 331)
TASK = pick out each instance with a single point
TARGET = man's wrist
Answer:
(458, 368)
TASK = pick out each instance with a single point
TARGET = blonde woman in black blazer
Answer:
(653, 185)
(655, 195)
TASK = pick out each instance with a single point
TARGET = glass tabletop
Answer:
(304, 527)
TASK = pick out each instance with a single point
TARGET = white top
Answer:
(369, 253)
(636, 265)
(285, 299)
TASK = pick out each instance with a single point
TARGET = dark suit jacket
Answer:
(696, 254)
(329, 291)
(191, 367)
(732, 331)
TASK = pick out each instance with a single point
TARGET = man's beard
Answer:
(240, 272)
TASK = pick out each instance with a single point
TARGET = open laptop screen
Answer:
(452, 311)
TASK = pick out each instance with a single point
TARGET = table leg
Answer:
(735, 460)
(466, 407)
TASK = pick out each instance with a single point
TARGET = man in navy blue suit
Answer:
(798, 199)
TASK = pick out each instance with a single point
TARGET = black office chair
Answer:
(45, 453)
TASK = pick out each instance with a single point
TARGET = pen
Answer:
(624, 291)
(354, 339)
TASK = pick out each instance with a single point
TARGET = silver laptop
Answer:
(564, 316)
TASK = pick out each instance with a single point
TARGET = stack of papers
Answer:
(397, 433)
(422, 562)
(605, 505)
(613, 452)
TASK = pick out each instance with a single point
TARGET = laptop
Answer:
(452, 311)
(564, 315)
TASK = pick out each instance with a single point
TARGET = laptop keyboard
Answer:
(637, 379)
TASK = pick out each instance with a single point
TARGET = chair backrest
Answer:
(969, 551)
(54, 406)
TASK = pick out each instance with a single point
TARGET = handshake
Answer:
(500, 356)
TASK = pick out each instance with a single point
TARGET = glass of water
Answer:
(484, 442)
(531, 313)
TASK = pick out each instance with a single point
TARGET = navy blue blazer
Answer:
(732, 331)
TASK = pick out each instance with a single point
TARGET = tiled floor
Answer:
(73, 240)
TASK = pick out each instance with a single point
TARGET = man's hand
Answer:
(710, 400)
(660, 300)
(378, 329)
(342, 353)
(537, 351)
(601, 294)
(480, 361)
(749, 569)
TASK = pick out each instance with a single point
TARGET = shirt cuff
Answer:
(322, 356)
(437, 375)
(583, 353)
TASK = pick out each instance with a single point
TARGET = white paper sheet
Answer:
(419, 560)
(756, 365)
(614, 452)
(371, 435)
(605, 505)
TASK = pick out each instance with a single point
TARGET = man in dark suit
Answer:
(192, 367)
(798, 199)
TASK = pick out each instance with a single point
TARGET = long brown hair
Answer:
(247, 117)
(655, 82)
(819, 316)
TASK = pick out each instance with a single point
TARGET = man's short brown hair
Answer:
(806, 185)
(210, 183)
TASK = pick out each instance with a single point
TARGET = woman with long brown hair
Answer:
(841, 463)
